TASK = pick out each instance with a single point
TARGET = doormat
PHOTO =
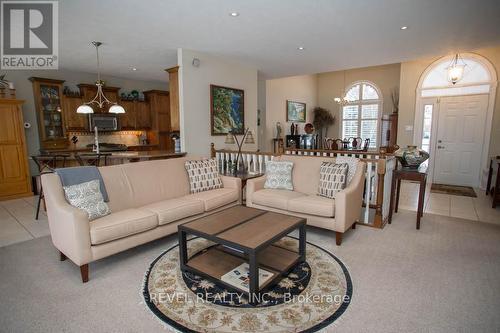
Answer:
(465, 191)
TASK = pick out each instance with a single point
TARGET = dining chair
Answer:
(46, 163)
(92, 159)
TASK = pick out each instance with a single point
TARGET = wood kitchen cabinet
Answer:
(161, 129)
(88, 92)
(137, 115)
(48, 103)
(74, 121)
(173, 79)
(143, 115)
(127, 119)
(14, 172)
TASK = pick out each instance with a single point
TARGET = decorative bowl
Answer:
(411, 156)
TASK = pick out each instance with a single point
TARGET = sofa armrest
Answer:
(254, 185)
(69, 226)
(349, 201)
(232, 182)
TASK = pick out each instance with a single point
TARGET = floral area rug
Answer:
(312, 296)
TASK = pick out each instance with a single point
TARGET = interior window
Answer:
(360, 116)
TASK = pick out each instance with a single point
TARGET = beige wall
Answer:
(194, 98)
(410, 75)
(297, 88)
(331, 85)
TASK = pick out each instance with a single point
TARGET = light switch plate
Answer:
(409, 128)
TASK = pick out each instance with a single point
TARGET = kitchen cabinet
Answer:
(159, 102)
(14, 176)
(88, 92)
(173, 79)
(143, 115)
(137, 115)
(74, 121)
(127, 119)
(48, 104)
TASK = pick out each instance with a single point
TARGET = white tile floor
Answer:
(17, 221)
(18, 224)
(475, 209)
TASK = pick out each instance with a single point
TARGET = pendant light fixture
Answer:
(343, 100)
(456, 69)
(100, 99)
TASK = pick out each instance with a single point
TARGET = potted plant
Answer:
(321, 121)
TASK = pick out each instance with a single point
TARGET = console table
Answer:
(419, 175)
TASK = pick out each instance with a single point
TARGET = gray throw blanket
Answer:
(78, 175)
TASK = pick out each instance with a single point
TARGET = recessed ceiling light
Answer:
(134, 69)
(300, 48)
(404, 27)
(234, 14)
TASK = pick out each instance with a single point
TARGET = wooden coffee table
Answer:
(242, 234)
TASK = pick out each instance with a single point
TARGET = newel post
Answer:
(379, 219)
(212, 150)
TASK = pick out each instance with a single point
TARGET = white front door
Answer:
(460, 133)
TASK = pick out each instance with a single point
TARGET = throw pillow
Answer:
(352, 162)
(332, 179)
(203, 175)
(87, 196)
(279, 175)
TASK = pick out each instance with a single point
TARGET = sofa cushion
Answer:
(279, 175)
(121, 224)
(87, 196)
(203, 175)
(175, 209)
(332, 179)
(275, 198)
(313, 205)
(352, 163)
(216, 198)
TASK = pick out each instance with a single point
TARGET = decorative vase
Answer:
(411, 156)
(292, 129)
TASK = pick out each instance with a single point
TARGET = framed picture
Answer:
(227, 110)
(295, 111)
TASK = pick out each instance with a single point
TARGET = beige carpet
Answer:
(443, 278)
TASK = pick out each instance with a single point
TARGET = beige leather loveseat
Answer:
(148, 200)
(337, 214)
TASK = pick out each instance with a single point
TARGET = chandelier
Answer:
(456, 69)
(344, 99)
(100, 99)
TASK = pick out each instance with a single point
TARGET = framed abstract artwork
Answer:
(227, 110)
(295, 111)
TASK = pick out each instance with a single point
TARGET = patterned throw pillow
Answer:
(332, 179)
(353, 165)
(279, 175)
(203, 175)
(87, 196)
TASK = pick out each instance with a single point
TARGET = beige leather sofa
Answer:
(148, 201)
(337, 214)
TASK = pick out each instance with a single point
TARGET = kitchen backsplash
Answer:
(129, 138)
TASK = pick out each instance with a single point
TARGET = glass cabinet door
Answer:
(51, 110)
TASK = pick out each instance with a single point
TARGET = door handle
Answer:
(441, 147)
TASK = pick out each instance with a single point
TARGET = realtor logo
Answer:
(29, 35)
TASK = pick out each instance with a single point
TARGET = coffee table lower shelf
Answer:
(216, 261)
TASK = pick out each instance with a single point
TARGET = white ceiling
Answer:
(336, 34)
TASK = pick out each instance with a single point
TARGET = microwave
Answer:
(104, 122)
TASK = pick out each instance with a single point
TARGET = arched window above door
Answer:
(361, 115)
(476, 79)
